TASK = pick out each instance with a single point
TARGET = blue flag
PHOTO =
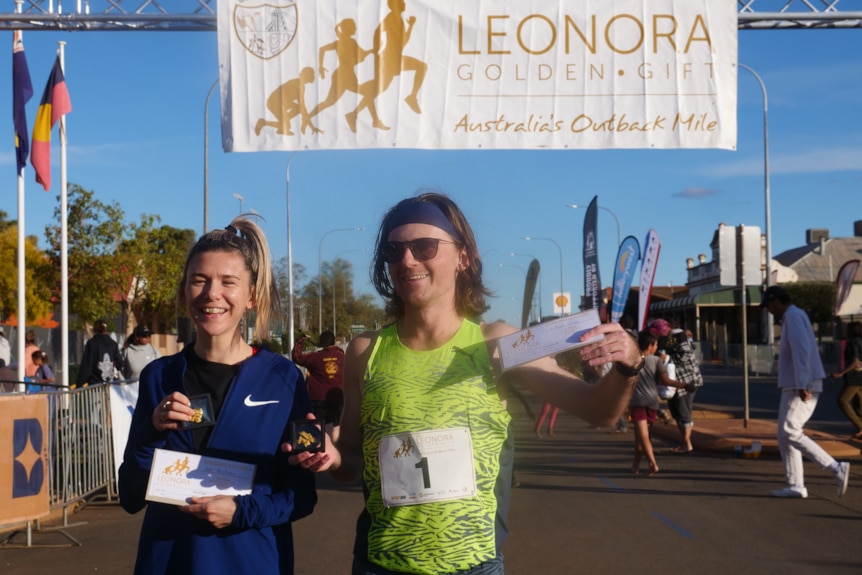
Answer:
(22, 91)
(624, 272)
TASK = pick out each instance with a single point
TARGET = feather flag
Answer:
(55, 104)
(22, 91)
(592, 283)
(627, 260)
(652, 247)
(844, 283)
(529, 290)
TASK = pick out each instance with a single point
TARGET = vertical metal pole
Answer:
(22, 309)
(740, 274)
(290, 321)
(770, 336)
(64, 241)
(206, 157)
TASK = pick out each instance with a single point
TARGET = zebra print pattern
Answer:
(410, 391)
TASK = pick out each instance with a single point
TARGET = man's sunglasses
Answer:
(423, 249)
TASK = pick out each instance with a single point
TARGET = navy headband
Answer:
(422, 213)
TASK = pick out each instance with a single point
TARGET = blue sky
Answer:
(136, 136)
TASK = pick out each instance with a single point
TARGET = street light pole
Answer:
(206, 156)
(528, 238)
(240, 198)
(616, 219)
(320, 274)
(770, 338)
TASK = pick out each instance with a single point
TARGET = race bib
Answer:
(427, 466)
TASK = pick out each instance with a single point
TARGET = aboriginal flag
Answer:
(22, 91)
(55, 104)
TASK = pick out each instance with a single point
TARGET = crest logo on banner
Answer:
(265, 30)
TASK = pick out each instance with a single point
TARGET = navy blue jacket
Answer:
(260, 539)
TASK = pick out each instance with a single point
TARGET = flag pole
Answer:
(21, 272)
(64, 241)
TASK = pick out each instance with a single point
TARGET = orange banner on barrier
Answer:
(24, 437)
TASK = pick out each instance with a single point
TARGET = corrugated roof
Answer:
(818, 262)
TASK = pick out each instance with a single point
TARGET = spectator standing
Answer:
(5, 349)
(43, 373)
(800, 379)
(325, 378)
(29, 348)
(102, 359)
(850, 398)
(138, 352)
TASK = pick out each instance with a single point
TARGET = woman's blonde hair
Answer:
(245, 237)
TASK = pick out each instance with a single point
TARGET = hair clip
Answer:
(231, 229)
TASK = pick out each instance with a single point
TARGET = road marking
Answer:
(672, 525)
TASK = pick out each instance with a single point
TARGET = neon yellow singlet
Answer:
(420, 393)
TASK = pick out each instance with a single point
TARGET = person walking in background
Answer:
(325, 378)
(138, 352)
(254, 394)
(102, 360)
(800, 379)
(5, 349)
(30, 347)
(686, 370)
(850, 398)
(547, 408)
(433, 377)
(644, 403)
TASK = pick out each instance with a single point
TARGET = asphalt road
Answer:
(578, 509)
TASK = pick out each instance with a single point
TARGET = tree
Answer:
(817, 299)
(95, 230)
(338, 296)
(155, 256)
(5, 222)
(38, 276)
(300, 300)
(136, 266)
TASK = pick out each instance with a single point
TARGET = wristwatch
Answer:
(628, 371)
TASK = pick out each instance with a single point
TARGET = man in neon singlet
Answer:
(425, 422)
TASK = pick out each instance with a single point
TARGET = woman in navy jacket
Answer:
(255, 394)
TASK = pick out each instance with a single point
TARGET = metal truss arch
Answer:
(200, 15)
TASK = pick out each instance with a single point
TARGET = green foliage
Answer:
(159, 254)
(94, 231)
(38, 280)
(817, 299)
(315, 295)
(111, 263)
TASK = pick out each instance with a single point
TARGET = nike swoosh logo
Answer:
(249, 402)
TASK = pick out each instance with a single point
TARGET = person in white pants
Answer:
(800, 379)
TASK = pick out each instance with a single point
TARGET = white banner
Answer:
(123, 399)
(495, 74)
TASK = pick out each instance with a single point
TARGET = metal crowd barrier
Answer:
(80, 462)
(81, 450)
